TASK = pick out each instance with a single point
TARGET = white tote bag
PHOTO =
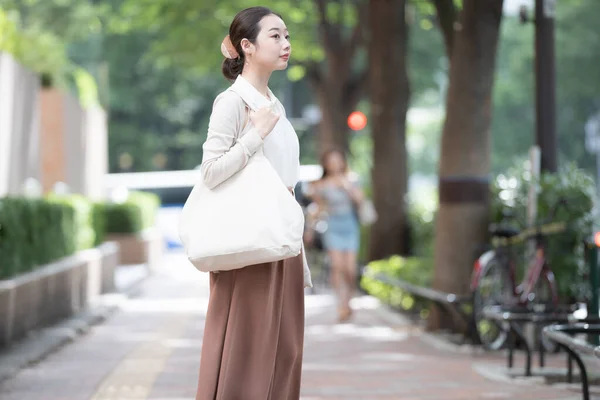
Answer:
(251, 218)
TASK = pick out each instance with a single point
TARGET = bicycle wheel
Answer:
(490, 289)
(542, 298)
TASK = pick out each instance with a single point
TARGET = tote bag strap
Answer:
(246, 120)
(249, 102)
(249, 105)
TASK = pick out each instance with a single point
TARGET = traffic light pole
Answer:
(545, 84)
(592, 257)
(595, 297)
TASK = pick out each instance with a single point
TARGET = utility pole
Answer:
(545, 77)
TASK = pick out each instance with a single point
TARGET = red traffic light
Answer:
(357, 121)
(597, 239)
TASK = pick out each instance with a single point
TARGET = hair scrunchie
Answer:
(228, 50)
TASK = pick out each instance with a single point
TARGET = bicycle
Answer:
(494, 278)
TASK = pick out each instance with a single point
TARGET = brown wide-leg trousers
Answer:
(254, 333)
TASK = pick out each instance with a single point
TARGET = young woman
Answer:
(253, 336)
(337, 199)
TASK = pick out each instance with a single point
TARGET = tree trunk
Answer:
(462, 219)
(337, 88)
(335, 107)
(390, 94)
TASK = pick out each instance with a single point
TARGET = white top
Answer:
(224, 155)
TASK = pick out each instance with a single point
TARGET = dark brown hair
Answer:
(325, 155)
(245, 25)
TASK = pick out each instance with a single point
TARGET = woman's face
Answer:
(272, 49)
(334, 163)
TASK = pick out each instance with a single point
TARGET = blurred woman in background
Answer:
(337, 198)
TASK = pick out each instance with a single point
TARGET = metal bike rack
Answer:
(449, 302)
(561, 334)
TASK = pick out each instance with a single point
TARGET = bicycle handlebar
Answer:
(526, 234)
(539, 229)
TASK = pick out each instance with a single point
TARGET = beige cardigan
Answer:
(225, 152)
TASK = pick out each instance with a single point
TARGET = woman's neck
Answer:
(334, 175)
(258, 79)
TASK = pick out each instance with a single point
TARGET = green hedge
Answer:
(35, 232)
(84, 234)
(137, 213)
(415, 270)
(509, 192)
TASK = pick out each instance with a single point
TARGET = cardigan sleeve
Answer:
(222, 154)
(307, 275)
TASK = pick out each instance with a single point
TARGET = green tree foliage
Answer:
(158, 114)
(188, 33)
(38, 34)
(326, 37)
(577, 82)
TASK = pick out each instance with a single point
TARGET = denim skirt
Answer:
(343, 233)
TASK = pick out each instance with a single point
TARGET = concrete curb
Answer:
(41, 343)
(440, 342)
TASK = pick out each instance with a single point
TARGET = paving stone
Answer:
(150, 349)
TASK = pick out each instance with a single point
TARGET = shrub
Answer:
(564, 250)
(136, 214)
(415, 270)
(34, 232)
(98, 223)
(83, 228)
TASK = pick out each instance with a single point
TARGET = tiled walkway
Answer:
(150, 350)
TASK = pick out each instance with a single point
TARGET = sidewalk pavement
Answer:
(150, 348)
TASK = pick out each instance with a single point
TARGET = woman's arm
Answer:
(313, 212)
(221, 158)
(354, 191)
(318, 206)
